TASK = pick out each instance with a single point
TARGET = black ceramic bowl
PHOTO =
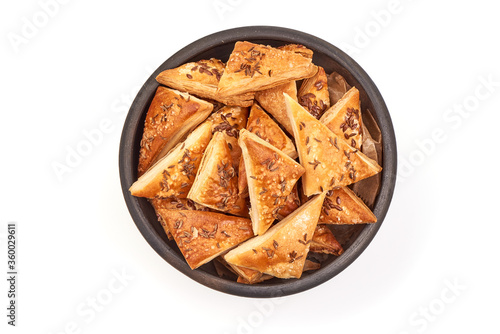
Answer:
(220, 45)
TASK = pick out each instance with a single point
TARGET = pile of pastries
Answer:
(248, 162)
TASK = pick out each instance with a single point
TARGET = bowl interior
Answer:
(220, 46)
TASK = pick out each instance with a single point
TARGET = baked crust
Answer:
(282, 250)
(170, 116)
(273, 101)
(174, 203)
(182, 162)
(271, 175)
(313, 94)
(201, 236)
(230, 120)
(216, 183)
(248, 276)
(265, 128)
(342, 206)
(323, 241)
(344, 118)
(201, 78)
(298, 48)
(253, 67)
(292, 203)
(329, 161)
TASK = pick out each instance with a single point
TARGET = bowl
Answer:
(220, 45)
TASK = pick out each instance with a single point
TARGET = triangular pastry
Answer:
(249, 276)
(265, 128)
(344, 118)
(174, 174)
(290, 204)
(230, 120)
(282, 250)
(329, 160)
(273, 101)
(174, 203)
(298, 48)
(252, 67)
(202, 236)
(271, 175)
(313, 94)
(216, 183)
(323, 241)
(201, 78)
(342, 206)
(170, 116)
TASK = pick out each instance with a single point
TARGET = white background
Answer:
(86, 62)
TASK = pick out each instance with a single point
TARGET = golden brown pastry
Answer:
(174, 174)
(329, 160)
(311, 265)
(216, 183)
(271, 175)
(201, 236)
(342, 206)
(248, 276)
(313, 94)
(263, 278)
(170, 116)
(230, 120)
(298, 48)
(292, 203)
(201, 79)
(174, 203)
(265, 128)
(273, 101)
(323, 241)
(252, 67)
(344, 118)
(282, 250)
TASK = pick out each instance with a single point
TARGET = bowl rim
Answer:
(389, 161)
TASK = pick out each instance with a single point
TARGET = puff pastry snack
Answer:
(297, 48)
(313, 94)
(282, 250)
(171, 115)
(328, 160)
(202, 236)
(273, 101)
(271, 176)
(201, 78)
(230, 120)
(174, 174)
(344, 118)
(216, 182)
(265, 128)
(174, 203)
(253, 67)
(342, 206)
(223, 144)
(323, 241)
